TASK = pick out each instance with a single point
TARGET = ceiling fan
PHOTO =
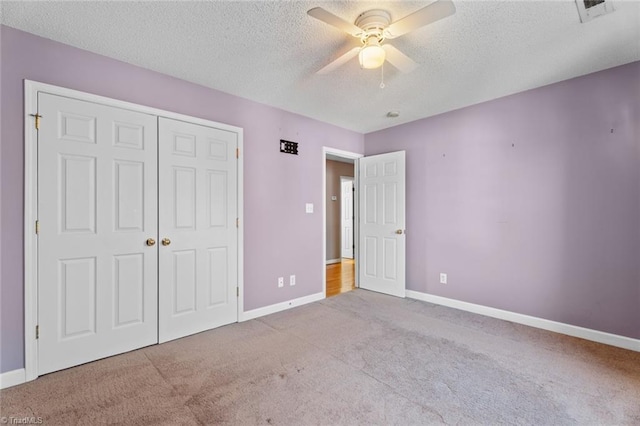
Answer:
(373, 27)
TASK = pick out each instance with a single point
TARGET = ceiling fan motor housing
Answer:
(373, 22)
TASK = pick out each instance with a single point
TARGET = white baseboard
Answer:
(331, 261)
(558, 327)
(272, 309)
(12, 378)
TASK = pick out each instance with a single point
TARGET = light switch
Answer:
(309, 207)
(334, 198)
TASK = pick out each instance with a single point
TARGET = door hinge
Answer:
(37, 121)
(237, 152)
(237, 222)
(37, 331)
(37, 227)
(237, 291)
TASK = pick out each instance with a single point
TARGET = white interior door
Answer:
(199, 236)
(97, 206)
(346, 217)
(382, 223)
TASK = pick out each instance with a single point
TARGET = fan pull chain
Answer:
(382, 76)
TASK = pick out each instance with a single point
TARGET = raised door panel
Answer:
(128, 289)
(370, 251)
(390, 203)
(390, 259)
(218, 198)
(77, 296)
(370, 203)
(77, 194)
(76, 127)
(128, 135)
(183, 282)
(129, 186)
(184, 198)
(184, 144)
(218, 276)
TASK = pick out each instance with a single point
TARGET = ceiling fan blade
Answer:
(331, 19)
(435, 11)
(399, 59)
(340, 61)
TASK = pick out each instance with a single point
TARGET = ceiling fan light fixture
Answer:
(372, 55)
(374, 26)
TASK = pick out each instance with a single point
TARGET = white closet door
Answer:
(382, 223)
(199, 238)
(97, 206)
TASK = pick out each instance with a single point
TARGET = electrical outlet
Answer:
(280, 281)
(443, 278)
(292, 280)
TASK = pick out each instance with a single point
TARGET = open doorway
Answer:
(340, 216)
(347, 217)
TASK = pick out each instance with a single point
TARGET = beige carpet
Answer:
(357, 358)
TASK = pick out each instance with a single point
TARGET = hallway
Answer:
(341, 277)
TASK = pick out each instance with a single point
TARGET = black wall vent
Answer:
(288, 147)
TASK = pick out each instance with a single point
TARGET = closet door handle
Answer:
(166, 241)
(151, 242)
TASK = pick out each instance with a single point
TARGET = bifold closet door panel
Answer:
(198, 250)
(97, 208)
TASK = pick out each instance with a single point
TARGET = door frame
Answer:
(31, 89)
(351, 156)
(344, 179)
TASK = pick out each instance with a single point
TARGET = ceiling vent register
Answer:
(589, 9)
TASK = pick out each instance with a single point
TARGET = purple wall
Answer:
(280, 238)
(530, 203)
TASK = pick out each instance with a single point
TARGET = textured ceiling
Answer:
(268, 51)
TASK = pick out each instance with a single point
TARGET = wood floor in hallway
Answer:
(341, 277)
